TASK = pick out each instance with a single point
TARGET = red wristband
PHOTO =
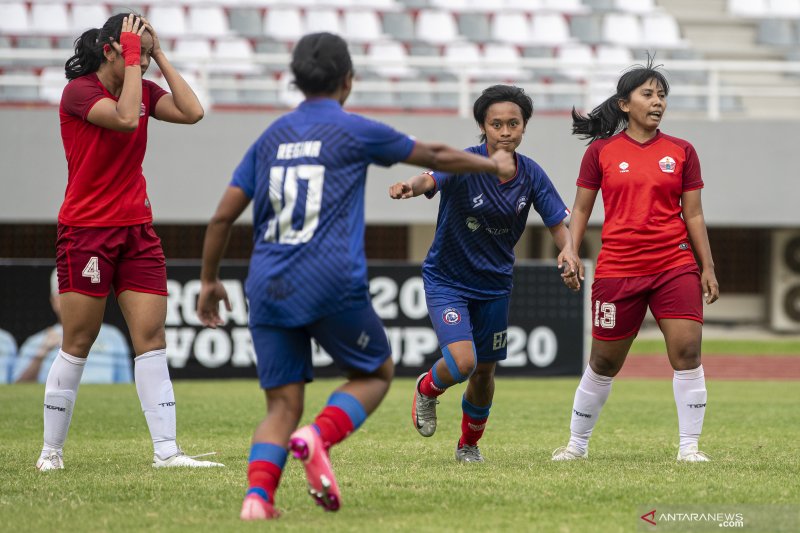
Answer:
(131, 48)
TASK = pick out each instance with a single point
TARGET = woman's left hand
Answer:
(710, 286)
(156, 42)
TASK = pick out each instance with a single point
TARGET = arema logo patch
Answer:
(451, 316)
(521, 203)
(667, 164)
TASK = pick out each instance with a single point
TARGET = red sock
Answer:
(471, 430)
(427, 387)
(333, 425)
(263, 478)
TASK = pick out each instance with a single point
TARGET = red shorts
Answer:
(90, 260)
(619, 304)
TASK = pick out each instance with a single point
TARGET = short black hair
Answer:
(320, 63)
(501, 93)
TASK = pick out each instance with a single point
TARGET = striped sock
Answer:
(265, 468)
(473, 422)
(341, 416)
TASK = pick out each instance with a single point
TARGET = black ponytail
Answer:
(320, 63)
(89, 47)
(608, 119)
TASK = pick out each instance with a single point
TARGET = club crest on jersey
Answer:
(451, 316)
(522, 201)
(472, 223)
(667, 165)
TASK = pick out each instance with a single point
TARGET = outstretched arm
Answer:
(696, 226)
(419, 184)
(447, 159)
(212, 292)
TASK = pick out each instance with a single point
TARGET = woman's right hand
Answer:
(130, 39)
(506, 165)
(401, 190)
(211, 294)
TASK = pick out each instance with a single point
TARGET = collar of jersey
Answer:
(656, 137)
(320, 102)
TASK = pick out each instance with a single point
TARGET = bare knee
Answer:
(686, 357)
(605, 365)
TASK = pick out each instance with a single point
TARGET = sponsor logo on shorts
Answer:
(583, 415)
(363, 340)
(667, 164)
(451, 316)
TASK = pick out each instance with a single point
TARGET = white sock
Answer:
(689, 387)
(157, 399)
(590, 397)
(60, 393)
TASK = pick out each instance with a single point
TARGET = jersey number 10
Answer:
(284, 185)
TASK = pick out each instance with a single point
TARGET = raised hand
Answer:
(401, 190)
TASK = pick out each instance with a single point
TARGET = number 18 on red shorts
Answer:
(620, 304)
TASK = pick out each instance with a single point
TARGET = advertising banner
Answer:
(547, 333)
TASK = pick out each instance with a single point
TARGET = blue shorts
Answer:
(485, 322)
(355, 339)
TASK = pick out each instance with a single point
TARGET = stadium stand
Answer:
(564, 51)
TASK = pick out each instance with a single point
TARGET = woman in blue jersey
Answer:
(305, 176)
(468, 270)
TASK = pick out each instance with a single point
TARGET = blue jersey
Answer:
(306, 176)
(480, 220)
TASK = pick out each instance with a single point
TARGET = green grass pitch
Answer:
(391, 478)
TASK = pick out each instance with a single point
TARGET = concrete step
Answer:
(706, 10)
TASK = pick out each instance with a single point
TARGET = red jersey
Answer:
(105, 186)
(641, 183)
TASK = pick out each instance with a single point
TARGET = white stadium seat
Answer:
(362, 26)
(463, 56)
(661, 29)
(502, 61)
(783, 8)
(283, 23)
(437, 26)
(577, 59)
(748, 8)
(234, 56)
(51, 19)
(511, 27)
(550, 29)
(622, 28)
(391, 60)
(208, 20)
(638, 7)
(85, 16)
(14, 18)
(167, 20)
(323, 19)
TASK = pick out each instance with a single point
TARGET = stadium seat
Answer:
(661, 30)
(207, 20)
(586, 28)
(529, 6)
(502, 62)
(622, 28)
(638, 7)
(511, 27)
(549, 29)
(378, 4)
(783, 8)
(450, 5)
(362, 26)
(19, 86)
(51, 84)
(323, 19)
(390, 60)
(246, 21)
(233, 55)
(775, 32)
(748, 8)
(399, 25)
(436, 27)
(475, 26)
(168, 20)
(567, 7)
(192, 52)
(50, 19)
(612, 61)
(463, 57)
(417, 99)
(284, 23)
(578, 58)
(14, 18)
(85, 16)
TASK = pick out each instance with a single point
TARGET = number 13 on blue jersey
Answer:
(284, 187)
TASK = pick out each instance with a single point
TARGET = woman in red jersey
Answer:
(653, 228)
(105, 233)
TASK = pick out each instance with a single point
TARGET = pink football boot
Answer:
(306, 445)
